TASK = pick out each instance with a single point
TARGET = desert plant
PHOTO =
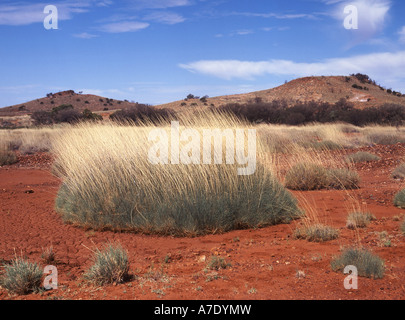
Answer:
(48, 255)
(311, 176)
(399, 199)
(343, 179)
(306, 176)
(399, 172)
(385, 138)
(113, 185)
(110, 266)
(316, 233)
(21, 276)
(217, 263)
(362, 157)
(359, 220)
(367, 264)
(7, 156)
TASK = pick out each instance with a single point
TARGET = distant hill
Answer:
(359, 89)
(321, 89)
(19, 115)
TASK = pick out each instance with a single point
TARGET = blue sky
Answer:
(157, 51)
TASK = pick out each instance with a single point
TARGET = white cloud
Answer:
(85, 35)
(124, 26)
(385, 65)
(165, 17)
(402, 35)
(159, 4)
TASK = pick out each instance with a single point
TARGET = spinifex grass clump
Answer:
(367, 264)
(359, 220)
(21, 276)
(312, 176)
(109, 182)
(399, 199)
(362, 157)
(110, 266)
(317, 233)
(7, 156)
(399, 172)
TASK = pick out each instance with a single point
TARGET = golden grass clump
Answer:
(109, 183)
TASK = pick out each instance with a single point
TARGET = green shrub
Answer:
(22, 277)
(317, 233)
(399, 199)
(362, 157)
(110, 266)
(367, 264)
(399, 172)
(359, 220)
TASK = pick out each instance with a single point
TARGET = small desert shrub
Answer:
(385, 138)
(322, 145)
(317, 233)
(306, 176)
(343, 179)
(217, 263)
(399, 172)
(110, 266)
(367, 264)
(309, 176)
(7, 156)
(359, 220)
(22, 276)
(399, 199)
(48, 255)
(362, 157)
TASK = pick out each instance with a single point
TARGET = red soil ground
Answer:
(264, 261)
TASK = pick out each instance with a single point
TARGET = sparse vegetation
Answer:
(48, 255)
(367, 264)
(316, 233)
(21, 276)
(217, 263)
(359, 220)
(110, 266)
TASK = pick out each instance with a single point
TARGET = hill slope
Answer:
(324, 89)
